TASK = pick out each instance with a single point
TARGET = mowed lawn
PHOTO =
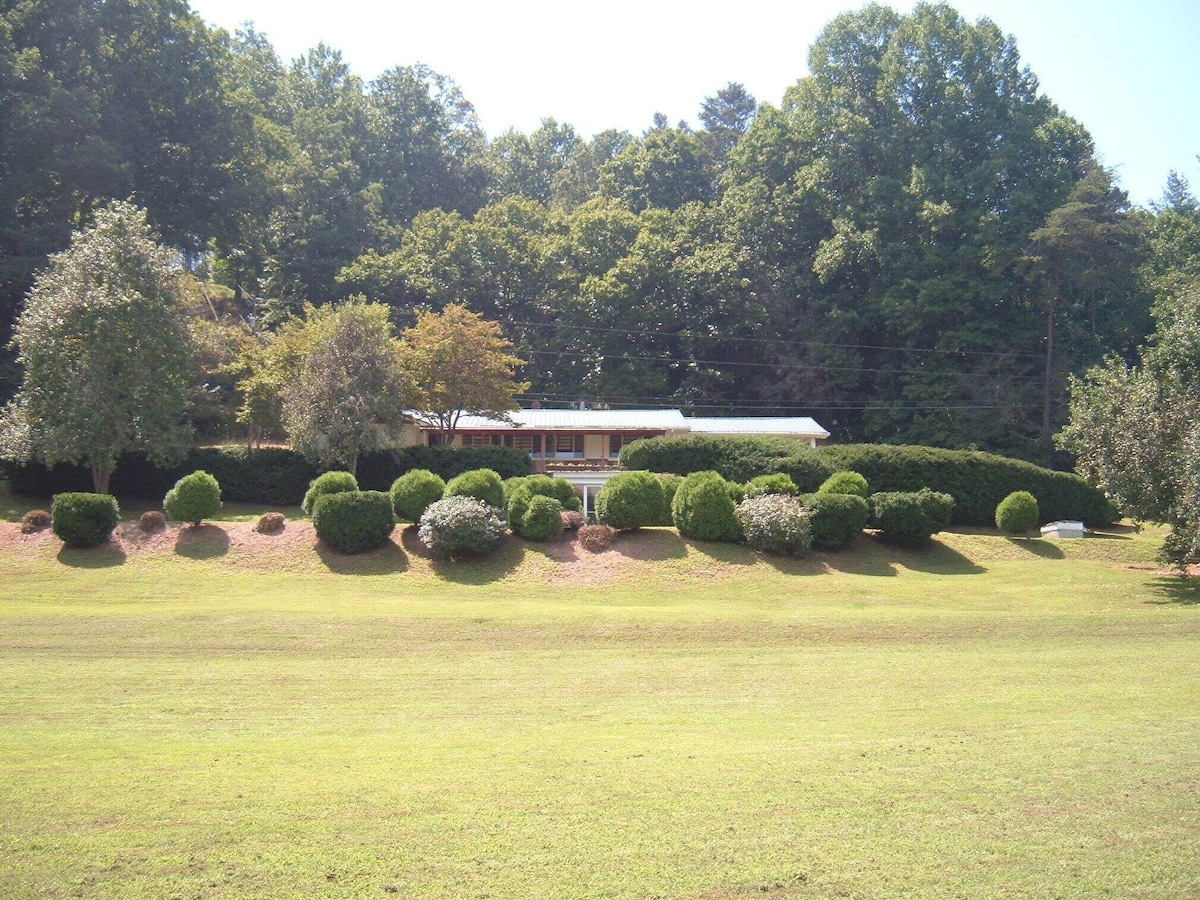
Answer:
(989, 719)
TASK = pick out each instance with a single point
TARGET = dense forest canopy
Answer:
(915, 244)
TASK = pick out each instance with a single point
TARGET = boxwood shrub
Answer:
(703, 510)
(630, 500)
(775, 523)
(327, 483)
(977, 481)
(458, 525)
(519, 492)
(482, 484)
(82, 519)
(1018, 513)
(542, 520)
(354, 521)
(413, 491)
(910, 518)
(194, 498)
(777, 483)
(737, 459)
(837, 519)
(845, 483)
(670, 484)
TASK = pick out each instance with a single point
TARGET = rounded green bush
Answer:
(775, 523)
(775, 483)
(194, 498)
(703, 510)
(354, 521)
(518, 493)
(413, 491)
(1017, 513)
(543, 519)
(460, 524)
(909, 519)
(837, 519)
(630, 500)
(81, 519)
(845, 483)
(482, 484)
(328, 483)
(670, 484)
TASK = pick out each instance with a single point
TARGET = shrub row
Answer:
(734, 459)
(977, 481)
(270, 476)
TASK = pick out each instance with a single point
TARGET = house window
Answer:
(565, 446)
(530, 443)
(617, 441)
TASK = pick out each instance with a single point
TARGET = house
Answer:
(583, 445)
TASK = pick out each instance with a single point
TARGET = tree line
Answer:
(914, 245)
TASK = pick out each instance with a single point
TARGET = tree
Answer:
(725, 118)
(106, 352)
(457, 362)
(341, 384)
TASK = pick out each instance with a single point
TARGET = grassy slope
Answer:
(979, 721)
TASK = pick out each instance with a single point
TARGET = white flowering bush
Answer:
(775, 523)
(458, 525)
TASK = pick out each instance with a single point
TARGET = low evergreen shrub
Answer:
(328, 483)
(459, 525)
(777, 483)
(520, 491)
(482, 484)
(910, 518)
(670, 484)
(82, 519)
(413, 491)
(353, 521)
(837, 519)
(595, 538)
(1018, 513)
(34, 520)
(775, 523)
(630, 500)
(152, 520)
(194, 498)
(270, 523)
(703, 510)
(542, 520)
(845, 483)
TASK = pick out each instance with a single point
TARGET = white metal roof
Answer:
(765, 425)
(581, 420)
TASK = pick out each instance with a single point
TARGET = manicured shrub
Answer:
(194, 498)
(734, 458)
(482, 484)
(737, 492)
(81, 519)
(837, 519)
(413, 491)
(702, 509)
(270, 523)
(152, 520)
(977, 481)
(595, 538)
(1017, 513)
(775, 523)
(571, 519)
(909, 518)
(777, 483)
(670, 484)
(845, 483)
(519, 492)
(328, 483)
(34, 520)
(630, 500)
(354, 521)
(542, 520)
(458, 525)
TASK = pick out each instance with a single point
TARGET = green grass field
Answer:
(989, 719)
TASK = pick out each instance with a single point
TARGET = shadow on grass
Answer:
(477, 570)
(729, 554)
(863, 556)
(204, 542)
(654, 544)
(105, 556)
(1176, 589)
(386, 560)
(936, 559)
(1037, 547)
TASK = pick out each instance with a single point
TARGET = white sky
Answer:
(1129, 71)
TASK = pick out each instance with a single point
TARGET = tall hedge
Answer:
(736, 459)
(977, 481)
(271, 476)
